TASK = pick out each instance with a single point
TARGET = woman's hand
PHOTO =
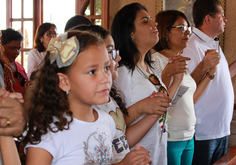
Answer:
(155, 104)
(176, 65)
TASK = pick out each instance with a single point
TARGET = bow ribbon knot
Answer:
(66, 49)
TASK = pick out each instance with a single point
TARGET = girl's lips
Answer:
(104, 92)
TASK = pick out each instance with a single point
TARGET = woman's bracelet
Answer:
(23, 135)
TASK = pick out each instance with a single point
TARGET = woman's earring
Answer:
(166, 39)
(41, 41)
(67, 92)
(132, 39)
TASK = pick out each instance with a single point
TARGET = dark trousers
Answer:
(207, 152)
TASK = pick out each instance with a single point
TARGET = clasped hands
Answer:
(11, 111)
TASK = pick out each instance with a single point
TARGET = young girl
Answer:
(116, 108)
(64, 127)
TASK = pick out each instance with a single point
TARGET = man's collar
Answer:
(201, 35)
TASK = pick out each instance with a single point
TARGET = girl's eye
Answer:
(91, 72)
(107, 68)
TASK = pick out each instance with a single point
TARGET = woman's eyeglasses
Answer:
(49, 34)
(183, 28)
(17, 75)
(113, 53)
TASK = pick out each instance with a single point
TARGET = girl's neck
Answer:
(169, 53)
(83, 112)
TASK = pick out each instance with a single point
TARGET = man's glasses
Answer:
(183, 28)
(113, 53)
(49, 34)
(21, 78)
(155, 81)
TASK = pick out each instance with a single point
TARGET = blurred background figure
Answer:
(44, 33)
(14, 74)
(77, 20)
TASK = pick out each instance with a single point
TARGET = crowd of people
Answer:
(91, 96)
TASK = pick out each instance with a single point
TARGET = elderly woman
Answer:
(44, 33)
(174, 30)
(14, 74)
(134, 34)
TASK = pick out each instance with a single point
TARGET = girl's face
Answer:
(145, 34)
(109, 43)
(51, 33)
(90, 78)
(178, 39)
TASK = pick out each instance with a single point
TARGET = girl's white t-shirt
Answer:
(120, 143)
(83, 143)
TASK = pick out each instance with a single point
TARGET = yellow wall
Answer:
(116, 5)
(230, 36)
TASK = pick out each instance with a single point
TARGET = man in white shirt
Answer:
(215, 107)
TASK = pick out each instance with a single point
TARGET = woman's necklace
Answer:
(154, 80)
(160, 88)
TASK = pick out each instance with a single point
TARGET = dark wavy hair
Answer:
(41, 30)
(121, 28)
(10, 35)
(202, 8)
(49, 101)
(166, 20)
(103, 33)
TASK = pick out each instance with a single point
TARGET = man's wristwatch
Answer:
(210, 76)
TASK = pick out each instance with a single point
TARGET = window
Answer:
(21, 19)
(3, 15)
(96, 10)
(54, 11)
(27, 15)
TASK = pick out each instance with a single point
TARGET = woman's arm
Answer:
(9, 152)
(201, 87)
(38, 156)
(137, 131)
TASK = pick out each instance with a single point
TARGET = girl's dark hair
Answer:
(103, 33)
(10, 35)
(121, 28)
(202, 8)
(49, 101)
(166, 19)
(41, 30)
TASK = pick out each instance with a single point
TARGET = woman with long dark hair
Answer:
(134, 34)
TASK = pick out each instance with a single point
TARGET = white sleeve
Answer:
(49, 142)
(32, 61)
(123, 85)
(195, 59)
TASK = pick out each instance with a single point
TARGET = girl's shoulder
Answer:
(107, 107)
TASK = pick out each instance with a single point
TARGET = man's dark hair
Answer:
(202, 8)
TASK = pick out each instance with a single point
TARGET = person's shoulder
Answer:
(34, 52)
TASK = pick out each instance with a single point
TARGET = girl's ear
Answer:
(63, 82)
